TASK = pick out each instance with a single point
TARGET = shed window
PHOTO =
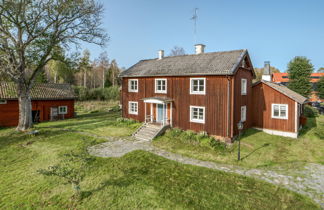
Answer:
(243, 86)
(197, 85)
(133, 107)
(160, 85)
(243, 113)
(63, 109)
(133, 85)
(197, 114)
(2, 101)
(280, 111)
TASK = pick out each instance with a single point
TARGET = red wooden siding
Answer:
(242, 100)
(263, 97)
(9, 113)
(178, 89)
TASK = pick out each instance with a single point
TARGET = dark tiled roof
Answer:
(286, 91)
(44, 91)
(216, 63)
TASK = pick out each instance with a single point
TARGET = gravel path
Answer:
(308, 181)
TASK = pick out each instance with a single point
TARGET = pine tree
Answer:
(320, 88)
(299, 72)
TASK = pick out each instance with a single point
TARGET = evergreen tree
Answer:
(299, 72)
(320, 88)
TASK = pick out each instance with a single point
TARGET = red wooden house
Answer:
(204, 92)
(49, 102)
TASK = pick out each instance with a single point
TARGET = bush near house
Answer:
(310, 111)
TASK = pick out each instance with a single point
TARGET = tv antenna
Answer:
(195, 18)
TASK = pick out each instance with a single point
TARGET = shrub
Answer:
(124, 121)
(310, 111)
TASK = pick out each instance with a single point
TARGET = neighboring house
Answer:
(49, 102)
(282, 78)
(204, 92)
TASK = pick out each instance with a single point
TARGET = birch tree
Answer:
(30, 29)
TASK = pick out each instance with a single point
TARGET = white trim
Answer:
(129, 107)
(197, 92)
(279, 117)
(197, 120)
(296, 117)
(244, 107)
(151, 112)
(153, 101)
(3, 101)
(59, 109)
(129, 85)
(166, 86)
(279, 133)
(171, 114)
(245, 87)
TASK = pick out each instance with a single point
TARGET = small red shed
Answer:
(49, 102)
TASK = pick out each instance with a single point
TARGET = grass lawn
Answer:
(258, 149)
(138, 180)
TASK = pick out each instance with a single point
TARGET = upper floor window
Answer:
(133, 85)
(243, 86)
(243, 113)
(2, 101)
(279, 111)
(62, 109)
(197, 85)
(197, 114)
(133, 107)
(161, 85)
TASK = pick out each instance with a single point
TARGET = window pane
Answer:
(276, 110)
(282, 111)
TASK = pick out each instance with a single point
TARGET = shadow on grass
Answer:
(311, 123)
(246, 156)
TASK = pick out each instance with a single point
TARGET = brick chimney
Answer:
(266, 76)
(200, 48)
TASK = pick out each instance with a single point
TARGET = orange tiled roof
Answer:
(283, 77)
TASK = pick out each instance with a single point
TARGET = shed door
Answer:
(54, 112)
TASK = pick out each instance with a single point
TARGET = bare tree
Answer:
(30, 29)
(177, 51)
(104, 65)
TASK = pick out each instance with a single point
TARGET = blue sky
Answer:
(270, 30)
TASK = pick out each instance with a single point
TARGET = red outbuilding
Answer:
(49, 102)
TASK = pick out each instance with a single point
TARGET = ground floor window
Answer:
(2, 101)
(280, 111)
(197, 114)
(62, 109)
(243, 113)
(133, 107)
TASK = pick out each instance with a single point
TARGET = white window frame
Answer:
(243, 113)
(156, 84)
(130, 107)
(197, 92)
(279, 117)
(3, 101)
(65, 112)
(129, 85)
(243, 86)
(197, 120)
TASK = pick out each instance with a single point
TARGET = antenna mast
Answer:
(195, 18)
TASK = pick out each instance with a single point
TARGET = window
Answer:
(133, 85)
(160, 85)
(197, 85)
(243, 86)
(63, 109)
(2, 101)
(132, 107)
(280, 111)
(243, 113)
(197, 114)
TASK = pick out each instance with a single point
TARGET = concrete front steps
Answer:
(148, 132)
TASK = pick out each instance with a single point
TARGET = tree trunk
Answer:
(25, 108)
(85, 80)
(103, 77)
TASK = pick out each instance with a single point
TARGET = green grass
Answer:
(258, 149)
(138, 180)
